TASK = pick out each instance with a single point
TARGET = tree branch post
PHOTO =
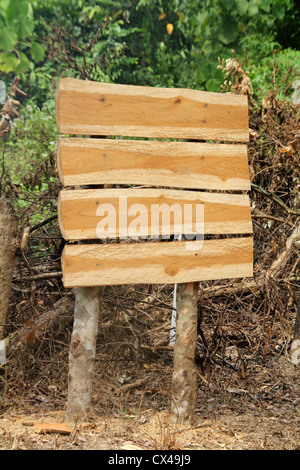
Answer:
(82, 352)
(8, 245)
(295, 346)
(184, 387)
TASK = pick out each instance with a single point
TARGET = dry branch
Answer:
(136, 384)
(8, 111)
(257, 284)
(282, 259)
(38, 277)
(56, 318)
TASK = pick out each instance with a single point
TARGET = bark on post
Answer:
(295, 346)
(184, 390)
(82, 352)
(8, 244)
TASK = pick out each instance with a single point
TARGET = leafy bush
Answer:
(145, 42)
(33, 140)
(18, 40)
(282, 68)
(186, 54)
(29, 162)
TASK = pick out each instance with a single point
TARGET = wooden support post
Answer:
(295, 346)
(8, 232)
(184, 391)
(82, 352)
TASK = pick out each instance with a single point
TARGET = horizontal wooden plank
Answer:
(92, 108)
(173, 164)
(157, 262)
(82, 213)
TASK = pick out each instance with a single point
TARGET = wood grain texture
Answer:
(157, 262)
(160, 163)
(80, 212)
(104, 109)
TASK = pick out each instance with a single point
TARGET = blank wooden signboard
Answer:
(118, 125)
(92, 108)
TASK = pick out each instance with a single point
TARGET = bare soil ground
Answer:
(258, 413)
(226, 430)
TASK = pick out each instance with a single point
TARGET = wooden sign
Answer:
(92, 108)
(124, 233)
(142, 162)
(157, 262)
(148, 212)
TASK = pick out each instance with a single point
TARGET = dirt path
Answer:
(263, 415)
(256, 430)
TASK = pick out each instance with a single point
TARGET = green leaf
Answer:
(8, 38)
(37, 52)
(16, 9)
(278, 11)
(227, 4)
(253, 8)
(228, 31)
(265, 5)
(19, 17)
(23, 63)
(8, 62)
(32, 77)
(3, 5)
(242, 6)
(217, 73)
(202, 18)
(24, 27)
(207, 47)
(203, 73)
(213, 85)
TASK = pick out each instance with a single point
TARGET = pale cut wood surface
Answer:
(157, 163)
(57, 428)
(78, 219)
(104, 109)
(156, 262)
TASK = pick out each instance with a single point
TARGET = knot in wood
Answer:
(77, 347)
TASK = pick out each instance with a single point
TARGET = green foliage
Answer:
(278, 71)
(18, 43)
(66, 30)
(137, 47)
(201, 32)
(29, 161)
(32, 142)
